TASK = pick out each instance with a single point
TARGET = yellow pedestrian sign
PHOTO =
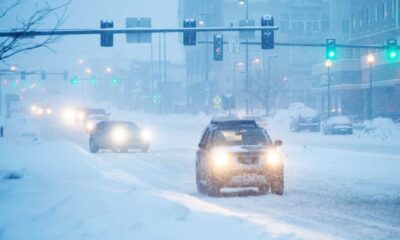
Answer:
(217, 102)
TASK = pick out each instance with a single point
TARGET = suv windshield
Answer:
(240, 136)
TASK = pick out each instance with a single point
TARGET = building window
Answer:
(380, 12)
(284, 27)
(345, 26)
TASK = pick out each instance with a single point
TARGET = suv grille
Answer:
(248, 160)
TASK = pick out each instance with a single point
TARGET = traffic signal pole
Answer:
(247, 63)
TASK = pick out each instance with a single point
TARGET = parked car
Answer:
(118, 136)
(338, 125)
(238, 153)
(260, 120)
(306, 119)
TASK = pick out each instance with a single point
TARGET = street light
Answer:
(88, 71)
(108, 69)
(80, 61)
(256, 61)
(370, 60)
(328, 65)
(13, 68)
(201, 23)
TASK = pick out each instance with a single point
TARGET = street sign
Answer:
(138, 23)
(217, 101)
(244, 35)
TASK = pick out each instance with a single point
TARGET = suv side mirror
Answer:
(278, 143)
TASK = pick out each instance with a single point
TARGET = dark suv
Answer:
(238, 153)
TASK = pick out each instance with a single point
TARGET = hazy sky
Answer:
(87, 14)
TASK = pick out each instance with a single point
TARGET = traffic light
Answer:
(106, 38)
(218, 47)
(75, 80)
(392, 51)
(43, 75)
(267, 36)
(23, 75)
(114, 80)
(93, 80)
(330, 49)
(189, 36)
(156, 98)
(65, 75)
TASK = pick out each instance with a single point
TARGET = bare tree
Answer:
(20, 43)
(266, 94)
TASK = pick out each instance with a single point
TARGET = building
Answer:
(373, 22)
(285, 71)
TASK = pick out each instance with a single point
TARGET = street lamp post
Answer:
(328, 65)
(370, 60)
(246, 3)
(267, 84)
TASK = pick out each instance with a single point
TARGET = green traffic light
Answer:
(393, 55)
(93, 81)
(74, 81)
(114, 81)
(332, 54)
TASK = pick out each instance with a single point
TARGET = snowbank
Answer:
(382, 128)
(19, 131)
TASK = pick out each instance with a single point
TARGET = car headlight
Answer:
(220, 159)
(49, 111)
(119, 135)
(146, 135)
(33, 108)
(40, 111)
(81, 116)
(90, 126)
(69, 115)
(273, 158)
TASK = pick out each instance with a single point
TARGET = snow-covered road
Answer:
(341, 187)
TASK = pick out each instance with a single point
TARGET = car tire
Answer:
(278, 185)
(212, 188)
(264, 189)
(92, 147)
(145, 149)
(200, 186)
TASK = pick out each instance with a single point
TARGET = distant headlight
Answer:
(119, 135)
(49, 111)
(81, 116)
(40, 111)
(220, 159)
(90, 126)
(146, 135)
(69, 115)
(33, 108)
(273, 158)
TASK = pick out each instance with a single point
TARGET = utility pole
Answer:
(159, 74)
(247, 63)
(328, 65)
(268, 84)
(165, 69)
(370, 60)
